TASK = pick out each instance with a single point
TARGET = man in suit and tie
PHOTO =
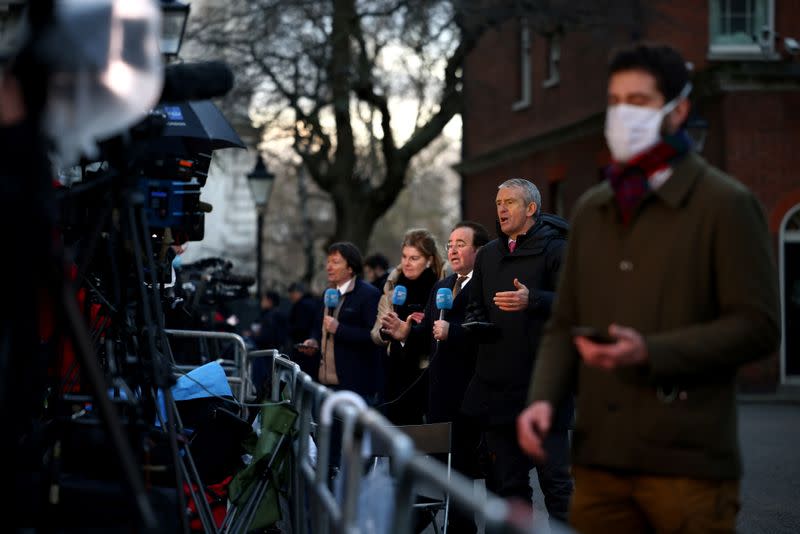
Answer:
(452, 363)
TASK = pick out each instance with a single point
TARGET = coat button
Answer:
(626, 266)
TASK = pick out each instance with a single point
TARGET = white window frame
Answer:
(786, 236)
(525, 46)
(553, 61)
(763, 48)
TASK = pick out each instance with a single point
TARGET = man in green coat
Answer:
(668, 288)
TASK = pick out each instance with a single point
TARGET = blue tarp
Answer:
(208, 380)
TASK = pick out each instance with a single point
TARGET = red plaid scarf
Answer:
(630, 181)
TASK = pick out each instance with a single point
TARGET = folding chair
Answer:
(432, 438)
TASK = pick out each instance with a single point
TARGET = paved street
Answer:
(770, 438)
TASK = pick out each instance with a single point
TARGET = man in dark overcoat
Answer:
(513, 288)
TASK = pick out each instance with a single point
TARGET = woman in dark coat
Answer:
(406, 384)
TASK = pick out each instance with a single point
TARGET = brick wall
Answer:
(753, 131)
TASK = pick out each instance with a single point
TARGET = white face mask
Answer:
(630, 130)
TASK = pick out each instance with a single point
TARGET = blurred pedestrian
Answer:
(420, 268)
(270, 331)
(670, 261)
(303, 314)
(376, 270)
(512, 288)
(348, 358)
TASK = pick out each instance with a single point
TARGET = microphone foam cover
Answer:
(399, 295)
(444, 298)
(331, 297)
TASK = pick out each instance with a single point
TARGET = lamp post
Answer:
(174, 15)
(260, 180)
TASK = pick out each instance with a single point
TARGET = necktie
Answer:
(512, 245)
(459, 282)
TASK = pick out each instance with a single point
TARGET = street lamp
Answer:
(174, 15)
(260, 181)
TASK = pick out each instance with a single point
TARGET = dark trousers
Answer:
(509, 468)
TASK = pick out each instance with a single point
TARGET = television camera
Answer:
(82, 345)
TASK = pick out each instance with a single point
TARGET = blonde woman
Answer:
(421, 266)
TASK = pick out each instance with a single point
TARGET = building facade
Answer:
(535, 103)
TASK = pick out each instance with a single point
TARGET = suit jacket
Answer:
(452, 363)
(693, 273)
(357, 358)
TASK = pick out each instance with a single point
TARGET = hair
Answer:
(350, 253)
(377, 260)
(273, 296)
(662, 62)
(297, 286)
(530, 193)
(424, 241)
(480, 236)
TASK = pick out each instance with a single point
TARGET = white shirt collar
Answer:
(344, 288)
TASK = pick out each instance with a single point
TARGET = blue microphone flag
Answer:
(399, 295)
(444, 299)
(331, 298)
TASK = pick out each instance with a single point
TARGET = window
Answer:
(741, 28)
(524, 68)
(553, 58)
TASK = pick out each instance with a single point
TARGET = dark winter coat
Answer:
(357, 358)
(274, 330)
(498, 390)
(405, 390)
(452, 361)
(302, 318)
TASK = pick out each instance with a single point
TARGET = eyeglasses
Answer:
(458, 245)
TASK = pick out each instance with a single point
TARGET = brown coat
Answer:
(694, 274)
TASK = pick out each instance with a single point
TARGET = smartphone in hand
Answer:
(594, 335)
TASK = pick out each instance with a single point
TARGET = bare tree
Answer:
(358, 88)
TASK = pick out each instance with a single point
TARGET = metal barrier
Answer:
(314, 506)
(237, 370)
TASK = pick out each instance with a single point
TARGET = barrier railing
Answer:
(237, 369)
(316, 507)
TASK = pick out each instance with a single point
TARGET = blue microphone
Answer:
(399, 296)
(331, 298)
(444, 300)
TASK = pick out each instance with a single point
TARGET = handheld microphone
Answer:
(399, 296)
(444, 300)
(331, 299)
(196, 81)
